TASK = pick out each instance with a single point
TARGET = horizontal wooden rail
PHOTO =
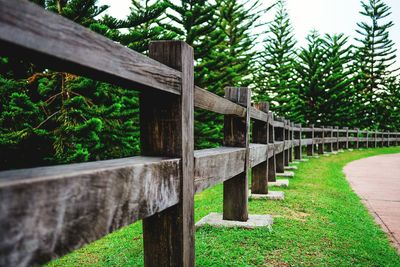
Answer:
(26, 30)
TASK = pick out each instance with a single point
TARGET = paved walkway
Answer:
(377, 181)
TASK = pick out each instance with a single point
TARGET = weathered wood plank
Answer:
(206, 100)
(279, 154)
(260, 134)
(67, 46)
(258, 114)
(216, 165)
(277, 123)
(236, 134)
(166, 129)
(29, 31)
(271, 156)
(50, 211)
(310, 141)
(298, 144)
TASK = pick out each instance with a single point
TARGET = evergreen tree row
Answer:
(50, 117)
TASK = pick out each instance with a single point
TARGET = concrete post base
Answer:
(279, 183)
(304, 160)
(272, 195)
(286, 174)
(290, 167)
(254, 221)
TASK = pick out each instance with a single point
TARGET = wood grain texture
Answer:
(260, 131)
(271, 142)
(49, 211)
(216, 165)
(166, 123)
(67, 46)
(206, 100)
(328, 141)
(320, 141)
(279, 154)
(287, 143)
(28, 31)
(310, 146)
(258, 114)
(236, 134)
(299, 146)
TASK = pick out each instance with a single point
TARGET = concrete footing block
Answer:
(290, 167)
(304, 160)
(350, 149)
(334, 152)
(315, 157)
(279, 183)
(327, 154)
(272, 195)
(254, 221)
(286, 174)
(340, 150)
(296, 162)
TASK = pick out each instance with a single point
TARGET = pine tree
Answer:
(60, 117)
(145, 23)
(375, 58)
(388, 108)
(196, 22)
(338, 107)
(276, 82)
(311, 74)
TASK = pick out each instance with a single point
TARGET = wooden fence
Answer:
(47, 212)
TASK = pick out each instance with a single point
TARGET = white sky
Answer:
(326, 16)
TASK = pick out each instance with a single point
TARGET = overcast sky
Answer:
(326, 16)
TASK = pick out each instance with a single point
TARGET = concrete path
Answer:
(377, 181)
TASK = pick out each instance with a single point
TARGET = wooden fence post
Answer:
(336, 136)
(259, 181)
(329, 144)
(287, 138)
(291, 130)
(367, 142)
(236, 134)
(387, 140)
(166, 129)
(375, 139)
(298, 136)
(310, 148)
(271, 141)
(346, 144)
(358, 138)
(280, 157)
(321, 145)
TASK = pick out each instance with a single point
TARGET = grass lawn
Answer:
(320, 223)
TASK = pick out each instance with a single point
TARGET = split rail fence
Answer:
(47, 212)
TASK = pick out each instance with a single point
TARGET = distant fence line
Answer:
(47, 212)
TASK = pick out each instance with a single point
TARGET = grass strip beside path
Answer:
(322, 222)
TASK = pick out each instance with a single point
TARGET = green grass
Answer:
(320, 223)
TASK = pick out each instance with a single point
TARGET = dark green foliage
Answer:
(196, 22)
(375, 59)
(326, 81)
(339, 94)
(310, 71)
(276, 82)
(144, 24)
(50, 117)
